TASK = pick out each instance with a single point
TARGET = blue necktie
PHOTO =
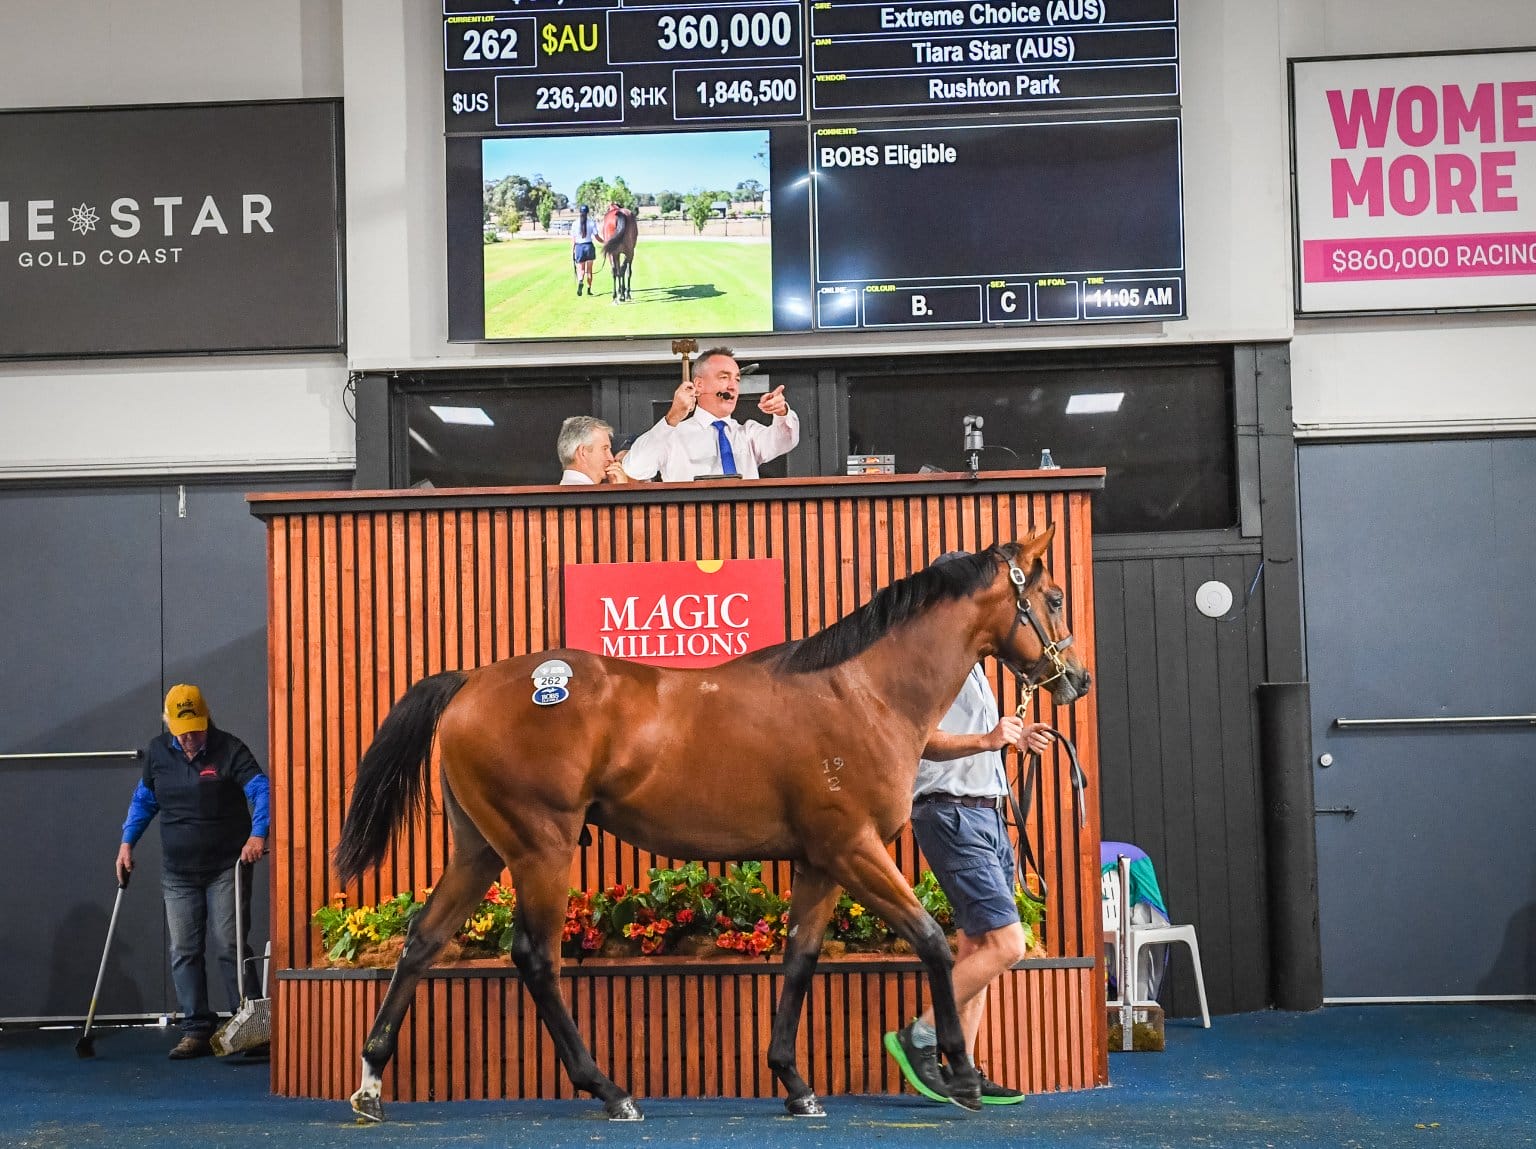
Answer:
(727, 456)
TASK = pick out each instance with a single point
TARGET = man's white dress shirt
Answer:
(692, 448)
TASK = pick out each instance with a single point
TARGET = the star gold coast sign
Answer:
(76, 239)
(171, 228)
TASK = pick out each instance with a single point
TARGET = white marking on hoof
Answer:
(367, 1102)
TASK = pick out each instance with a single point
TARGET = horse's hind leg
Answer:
(815, 896)
(871, 876)
(470, 872)
(541, 904)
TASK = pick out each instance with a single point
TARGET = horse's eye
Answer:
(1054, 601)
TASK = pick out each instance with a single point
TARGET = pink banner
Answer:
(1418, 257)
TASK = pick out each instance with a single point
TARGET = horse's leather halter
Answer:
(1050, 665)
(1047, 669)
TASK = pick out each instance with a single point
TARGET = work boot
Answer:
(919, 1064)
(191, 1045)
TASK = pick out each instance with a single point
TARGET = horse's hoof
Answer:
(805, 1105)
(624, 1109)
(368, 1106)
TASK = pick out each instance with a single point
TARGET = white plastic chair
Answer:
(1148, 935)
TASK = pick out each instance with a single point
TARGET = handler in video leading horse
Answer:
(805, 752)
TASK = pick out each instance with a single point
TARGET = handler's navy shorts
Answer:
(583, 253)
(968, 849)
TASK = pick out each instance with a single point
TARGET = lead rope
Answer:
(1025, 782)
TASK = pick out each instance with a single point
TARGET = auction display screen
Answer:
(832, 165)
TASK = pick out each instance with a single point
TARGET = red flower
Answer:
(723, 920)
(684, 916)
(707, 890)
(592, 939)
(616, 892)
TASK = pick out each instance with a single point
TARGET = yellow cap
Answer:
(185, 709)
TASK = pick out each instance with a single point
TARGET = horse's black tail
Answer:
(392, 777)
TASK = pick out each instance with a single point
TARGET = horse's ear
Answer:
(1034, 548)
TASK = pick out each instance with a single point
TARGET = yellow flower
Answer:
(855, 910)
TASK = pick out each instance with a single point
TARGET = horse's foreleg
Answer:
(815, 896)
(469, 874)
(871, 876)
(541, 905)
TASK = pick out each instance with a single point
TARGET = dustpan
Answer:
(251, 1025)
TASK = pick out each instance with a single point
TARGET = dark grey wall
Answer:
(1178, 718)
(1179, 760)
(112, 594)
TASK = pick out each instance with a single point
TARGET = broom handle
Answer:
(239, 935)
(101, 972)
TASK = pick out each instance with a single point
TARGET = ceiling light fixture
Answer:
(463, 416)
(1100, 403)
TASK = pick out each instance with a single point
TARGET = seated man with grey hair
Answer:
(585, 447)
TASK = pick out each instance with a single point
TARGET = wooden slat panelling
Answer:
(365, 601)
(658, 1036)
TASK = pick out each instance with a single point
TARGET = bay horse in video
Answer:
(619, 234)
(805, 752)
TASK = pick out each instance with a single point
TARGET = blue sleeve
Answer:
(141, 810)
(258, 792)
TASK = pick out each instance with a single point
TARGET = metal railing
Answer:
(59, 756)
(1468, 720)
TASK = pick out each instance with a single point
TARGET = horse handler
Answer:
(213, 801)
(583, 249)
(957, 818)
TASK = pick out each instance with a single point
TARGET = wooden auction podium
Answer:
(370, 591)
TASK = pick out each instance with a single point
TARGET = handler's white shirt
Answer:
(974, 711)
(576, 479)
(692, 449)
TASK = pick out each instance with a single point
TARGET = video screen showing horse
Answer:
(628, 234)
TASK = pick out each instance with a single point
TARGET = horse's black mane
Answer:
(855, 633)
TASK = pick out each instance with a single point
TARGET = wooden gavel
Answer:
(685, 348)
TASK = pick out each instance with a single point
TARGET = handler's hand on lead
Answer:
(683, 400)
(1037, 737)
(773, 402)
(1008, 732)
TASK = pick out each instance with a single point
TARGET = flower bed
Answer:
(686, 912)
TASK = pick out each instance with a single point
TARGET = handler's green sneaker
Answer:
(991, 1092)
(919, 1064)
(994, 1094)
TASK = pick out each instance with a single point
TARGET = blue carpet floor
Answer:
(1461, 1076)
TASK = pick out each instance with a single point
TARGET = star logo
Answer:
(83, 218)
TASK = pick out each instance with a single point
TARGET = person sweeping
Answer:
(213, 802)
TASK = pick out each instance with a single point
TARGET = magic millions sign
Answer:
(675, 614)
(171, 229)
